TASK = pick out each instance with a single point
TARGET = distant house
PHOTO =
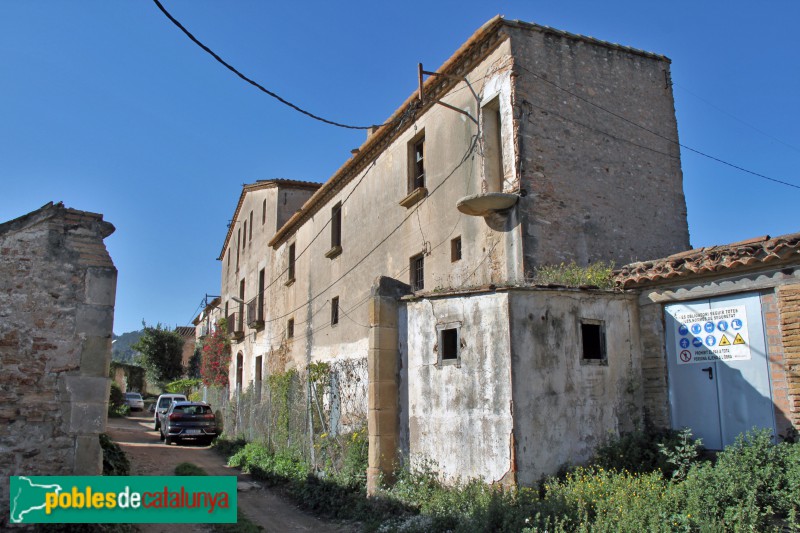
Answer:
(412, 263)
(187, 333)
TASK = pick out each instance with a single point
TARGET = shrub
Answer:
(189, 469)
(115, 462)
(116, 402)
(644, 451)
(572, 275)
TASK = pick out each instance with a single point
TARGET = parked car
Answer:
(135, 401)
(188, 421)
(161, 406)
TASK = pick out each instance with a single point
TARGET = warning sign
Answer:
(703, 336)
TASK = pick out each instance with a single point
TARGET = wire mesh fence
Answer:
(315, 413)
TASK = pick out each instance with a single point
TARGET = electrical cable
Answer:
(258, 85)
(673, 141)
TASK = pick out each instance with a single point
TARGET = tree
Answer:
(162, 350)
(216, 357)
(193, 371)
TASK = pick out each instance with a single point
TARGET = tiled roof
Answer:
(730, 257)
(186, 332)
(263, 184)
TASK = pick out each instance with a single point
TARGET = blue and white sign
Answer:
(710, 339)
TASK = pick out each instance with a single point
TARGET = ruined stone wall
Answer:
(57, 290)
(598, 187)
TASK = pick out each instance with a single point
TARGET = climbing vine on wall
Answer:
(216, 358)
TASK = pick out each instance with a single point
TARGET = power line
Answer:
(258, 85)
(673, 141)
(762, 132)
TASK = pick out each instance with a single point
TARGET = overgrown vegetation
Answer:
(161, 352)
(216, 356)
(189, 469)
(643, 481)
(115, 462)
(116, 402)
(183, 386)
(573, 275)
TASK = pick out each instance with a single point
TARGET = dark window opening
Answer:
(290, 328)
(258, 370)
(239, 369)
(250, 235)
(291, 261)
(336, 225)
(417, 166)
(455, 249)
(261, 279)
(417, 272)
(244, 242)
(334, 311)
(264, 213)
(594, 341)
(449, 344)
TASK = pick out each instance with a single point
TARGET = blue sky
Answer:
(107, 107)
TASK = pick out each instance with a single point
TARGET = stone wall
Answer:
(57, 291)
(787, 322)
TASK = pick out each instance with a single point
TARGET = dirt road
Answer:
(151, 457)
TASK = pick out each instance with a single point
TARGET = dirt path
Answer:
(151, 457)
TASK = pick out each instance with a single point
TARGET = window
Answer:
(455, 250)
(416, 167)
(417, 267)
(336, 231)
(260, 312)
(264, 212)
(334, 311)
(336, 225)
(239, 369)
(290, 328)
(291, 262)
(238, 247)
(244, 242)
(493, 145)
(228, 253)
(593, 342)
(250, 235)
(258, 370)
(449, 344)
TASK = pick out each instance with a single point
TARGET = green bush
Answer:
(572, 275)
(189, 469)
(752, 484)
(642, 451)
(115, 462)
(116, 402)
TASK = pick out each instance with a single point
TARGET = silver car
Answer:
(134, 401)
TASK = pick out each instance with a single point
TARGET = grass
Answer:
(189, 469)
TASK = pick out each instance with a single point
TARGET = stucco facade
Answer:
(505, 119)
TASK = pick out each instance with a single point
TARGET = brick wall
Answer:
(57, 291)
(784, 327)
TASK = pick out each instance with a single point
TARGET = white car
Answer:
(134, 401)
(161, 406)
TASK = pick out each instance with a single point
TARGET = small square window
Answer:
(417, 266)
(455, 250)
(593, 341)
(449, 344)
(290, 328)
(334, 311)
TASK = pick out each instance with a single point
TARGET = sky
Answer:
(108, 107)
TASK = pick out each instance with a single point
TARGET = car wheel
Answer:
(156, 426)
(160, 435)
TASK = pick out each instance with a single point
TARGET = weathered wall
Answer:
(599, 188)
(458, 416)
(775, 286)
(57, 290)
(565, 406)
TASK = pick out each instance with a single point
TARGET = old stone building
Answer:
(414, 259)
(57, 290)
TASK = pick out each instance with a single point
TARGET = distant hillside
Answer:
(121, 350)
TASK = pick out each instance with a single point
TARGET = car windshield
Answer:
(192, 409)
(133, 395)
